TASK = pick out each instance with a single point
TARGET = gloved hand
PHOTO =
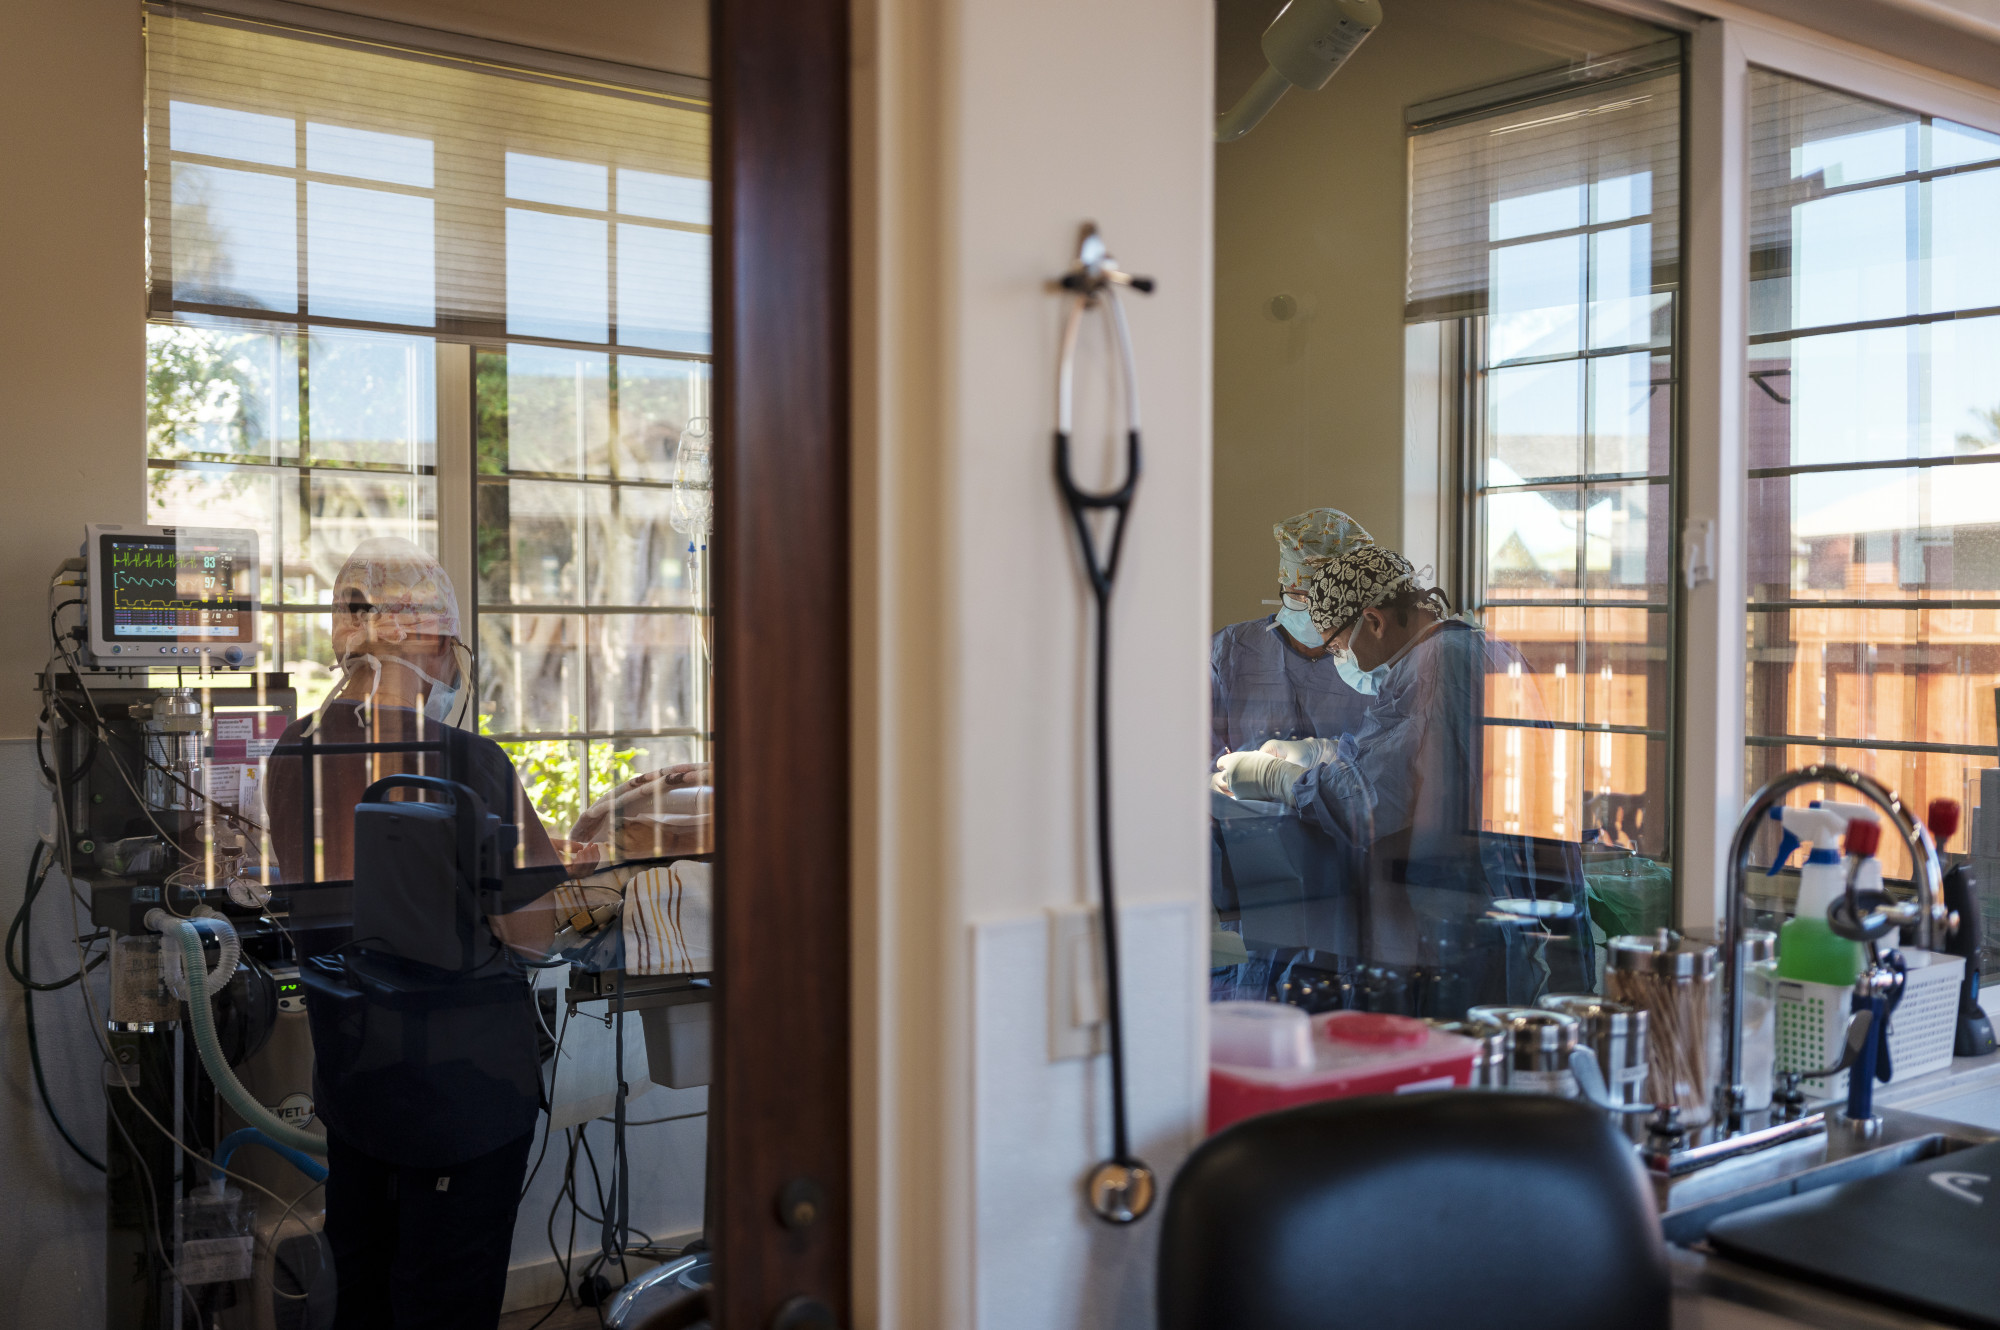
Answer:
(1300, 752)
(1256, 776)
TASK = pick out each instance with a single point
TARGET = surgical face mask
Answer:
(1365, 682)
(442, 696)
(1292, 617)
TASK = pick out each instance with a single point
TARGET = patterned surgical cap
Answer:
(1311, 537)
(405, 586)
(1356, 580)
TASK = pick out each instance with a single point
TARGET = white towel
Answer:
(668, 915)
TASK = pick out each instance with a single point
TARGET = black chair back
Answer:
(1415, 1212)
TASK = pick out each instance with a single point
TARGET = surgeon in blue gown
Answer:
(1275, 677)
(1460, 911)
(1274, 683)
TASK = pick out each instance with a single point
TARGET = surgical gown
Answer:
(1474, 914)
(1283, 890)
(1260, 688)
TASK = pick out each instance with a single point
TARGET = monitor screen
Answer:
(189, 586)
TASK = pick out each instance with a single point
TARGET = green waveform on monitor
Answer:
(154, 557)
(133, 579)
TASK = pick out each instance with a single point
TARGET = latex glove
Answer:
(643, 793)
(1300, 752)
(1256, 776)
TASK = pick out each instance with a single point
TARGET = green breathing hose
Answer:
(195, 966)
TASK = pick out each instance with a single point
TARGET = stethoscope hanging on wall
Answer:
(1121, 1188)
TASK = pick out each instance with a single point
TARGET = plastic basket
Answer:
(1812, 1023)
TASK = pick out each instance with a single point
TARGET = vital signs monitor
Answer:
(177, 595)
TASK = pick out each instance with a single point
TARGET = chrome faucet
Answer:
(1928, 916)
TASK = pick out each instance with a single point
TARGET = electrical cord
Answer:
(548, 1121)
(654, 1122)
(28, 990)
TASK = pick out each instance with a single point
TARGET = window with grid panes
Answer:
(1544, 249)
(1874, 446)
(398, 293)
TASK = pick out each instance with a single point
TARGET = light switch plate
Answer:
(1076, 984)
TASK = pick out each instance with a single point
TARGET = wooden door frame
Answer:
(780, 1106)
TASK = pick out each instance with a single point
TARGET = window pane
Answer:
(663, 292)
(369, 255)
(642, 672)
(1624, 311)
(1625, 668)
(656, 400)
(671, 198)
(221, 391)
(531, 542)
(531, 673)
(1904, 534)
(1548, 639)
(1965, 262)
(555, 412)
(236, 238)
(373, 398)
(557, 276)
(1536, 422)
(552, 180)
(1537, 299)
(1631, 415)
(1533, 214)
(1960, 145)
(1624, 779)
(636, 557)
(1877, 394)
(1901, 676)
(1850, 257)
(1531, 541)
(553, 775)
(397, 159)
(1625, 548)
(218, 131)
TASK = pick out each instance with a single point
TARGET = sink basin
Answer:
(1694, 1201)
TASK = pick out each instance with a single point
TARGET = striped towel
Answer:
(668, 911)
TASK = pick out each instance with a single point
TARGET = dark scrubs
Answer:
(429, 1088)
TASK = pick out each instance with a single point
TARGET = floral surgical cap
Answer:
(1355, 580)
(405, 587)
(1311, 537)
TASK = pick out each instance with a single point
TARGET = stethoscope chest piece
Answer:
(1120, 1193)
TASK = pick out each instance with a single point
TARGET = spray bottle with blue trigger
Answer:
(1808, 948)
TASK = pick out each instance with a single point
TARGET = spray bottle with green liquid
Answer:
(1808, 948)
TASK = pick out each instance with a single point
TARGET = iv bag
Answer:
(693, 497)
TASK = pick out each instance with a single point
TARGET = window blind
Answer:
(299, 177)
(1607, 154)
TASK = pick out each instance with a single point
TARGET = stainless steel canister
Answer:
(1674, 979)
(1543, 1041)
(1496, 1049)
(1616, 1032)
(173, 727)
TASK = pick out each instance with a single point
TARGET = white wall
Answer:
(987, 130)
